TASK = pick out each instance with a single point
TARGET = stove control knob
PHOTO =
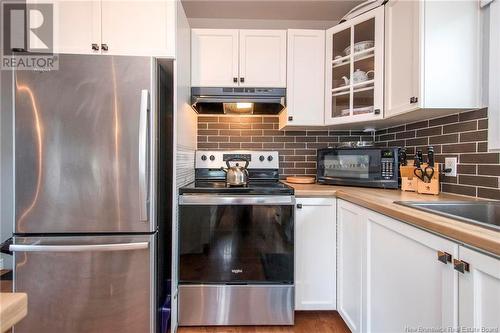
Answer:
(269, 158)
(203, 157)
(262, 158)
(212, 157)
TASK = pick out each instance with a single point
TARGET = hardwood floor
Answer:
(305, 322)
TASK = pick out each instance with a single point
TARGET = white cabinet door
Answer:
(354, 84)
(138, 27)
(402, 56)
(479, 291)
(263, 58)
(351, 233)
(305, 78)
(407, 286)
(77, 25)
(214, 58)
(418, 73)
(315, 247)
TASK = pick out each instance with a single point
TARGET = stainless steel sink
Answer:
(484, 213)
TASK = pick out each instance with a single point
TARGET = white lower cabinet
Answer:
(407, 287)
(479, 290)
(351, 225)
(393, 277)
(315, 248)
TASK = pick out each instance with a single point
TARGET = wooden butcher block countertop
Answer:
(382, 201)
(13, 308)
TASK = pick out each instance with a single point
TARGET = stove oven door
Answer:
(240, 239)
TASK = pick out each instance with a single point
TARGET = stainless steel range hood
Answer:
(259, 101)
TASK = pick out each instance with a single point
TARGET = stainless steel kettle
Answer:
(236, 175)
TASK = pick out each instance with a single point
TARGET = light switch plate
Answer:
(451, 163)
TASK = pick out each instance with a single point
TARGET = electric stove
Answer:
(236, 244)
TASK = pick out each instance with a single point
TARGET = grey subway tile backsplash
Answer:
(462, 135)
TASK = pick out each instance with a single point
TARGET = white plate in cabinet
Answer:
(432, 56)
(305, 79)
(315, 254)
(479, 302)
(214, 57)
(354, 81)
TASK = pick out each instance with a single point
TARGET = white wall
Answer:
(186, 117)
(185, 133)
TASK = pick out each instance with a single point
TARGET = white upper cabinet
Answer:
(115, 27)
(354, 86)
(214, 58)
(402, 23)
(77, 26)
(232, 58)
(479, 291)
(138, 27)
(315, 254)
(432, 55)
(305, 79)
(263, 58)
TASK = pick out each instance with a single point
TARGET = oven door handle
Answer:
(264, 200)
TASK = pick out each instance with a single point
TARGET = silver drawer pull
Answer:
(79, 248)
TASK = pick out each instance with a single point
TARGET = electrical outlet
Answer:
(451, 163)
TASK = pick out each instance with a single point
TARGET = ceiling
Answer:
(304, 10)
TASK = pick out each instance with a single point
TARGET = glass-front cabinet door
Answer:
(354, 69)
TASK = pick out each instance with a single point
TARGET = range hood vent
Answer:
(258, 101)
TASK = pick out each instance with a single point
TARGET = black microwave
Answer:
(368, 167)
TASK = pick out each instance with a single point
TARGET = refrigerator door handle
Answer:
(143, 156)
(79, 248)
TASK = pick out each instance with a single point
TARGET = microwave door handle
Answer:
(143, 155)
(79, 248)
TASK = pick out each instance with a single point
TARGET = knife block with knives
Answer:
(417, 176)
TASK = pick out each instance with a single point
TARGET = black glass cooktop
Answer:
(255, 187)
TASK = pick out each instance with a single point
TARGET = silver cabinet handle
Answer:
(444, 257)
(143, 155)
(461, 266)
(79, 248)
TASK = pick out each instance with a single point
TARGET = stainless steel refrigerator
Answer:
(93, 146)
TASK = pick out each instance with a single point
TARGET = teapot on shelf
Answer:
(358, 76)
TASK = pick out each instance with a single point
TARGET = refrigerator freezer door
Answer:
(86, 284)
(83, 146)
